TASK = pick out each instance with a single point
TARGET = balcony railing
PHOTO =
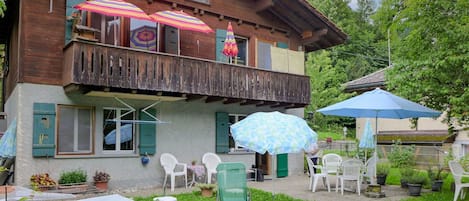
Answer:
(100, 65)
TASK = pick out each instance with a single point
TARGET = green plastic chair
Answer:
(232, 184)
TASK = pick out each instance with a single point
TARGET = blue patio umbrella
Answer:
(8, 141)
(126, 135)
(379, 104)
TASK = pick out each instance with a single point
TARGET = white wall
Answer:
(190, 133)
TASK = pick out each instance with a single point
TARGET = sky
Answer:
(354, 5)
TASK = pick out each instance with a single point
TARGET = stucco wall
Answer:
(190, 133)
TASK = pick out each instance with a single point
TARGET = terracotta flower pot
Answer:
(101, 185)
(207, 192)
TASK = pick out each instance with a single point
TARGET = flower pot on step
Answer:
(101, 185)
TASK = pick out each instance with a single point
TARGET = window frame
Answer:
(75, 130)
(246, 62)
(236, 147)
(117, 122)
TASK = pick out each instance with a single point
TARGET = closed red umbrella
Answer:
(181, 20)
(230, 48)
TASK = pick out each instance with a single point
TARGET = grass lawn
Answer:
(323, 135)
(256, 195)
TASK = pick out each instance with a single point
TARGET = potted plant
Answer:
(382, 171)
(406, 173)
(42, 182)
(436, 175)
(101, 179)
(75, 180)
(415, 182)
(206, 189)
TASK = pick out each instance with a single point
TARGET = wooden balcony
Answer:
(93, 66)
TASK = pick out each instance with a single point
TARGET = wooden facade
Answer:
(38, 53)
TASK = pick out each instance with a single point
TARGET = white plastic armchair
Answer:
(211, 161)
(314, 177)
(370, 168)
(331, 164)
(169, 163)
(458, 173)
(351, 171)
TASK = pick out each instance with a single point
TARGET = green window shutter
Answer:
(219, 44)
(68, 23)
(43, 130)
(147, 134)
(282, 165)
(282, 45)
(222, 132)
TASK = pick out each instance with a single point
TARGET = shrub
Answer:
(406, 173)
(417, 178)
(382, 168)
(436, 173)
(402, 156)
(73, 177)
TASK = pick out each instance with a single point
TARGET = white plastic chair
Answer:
(211, 161)
(351, 171)
(370, 168)
(331, 164)
(458, 173)
(169, 163)
(314, 177)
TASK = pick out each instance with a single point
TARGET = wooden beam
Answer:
(263, 5)
(213, 99)
(232, 100)
(312, 36)
(280, 105)
(192, 97)
(295, 106)
(249, 102)
(264, 103)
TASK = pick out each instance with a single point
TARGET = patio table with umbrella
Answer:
(273, 132)
(379, 104)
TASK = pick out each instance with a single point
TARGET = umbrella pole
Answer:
(376, 147)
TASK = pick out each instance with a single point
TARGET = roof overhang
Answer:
(316, 30)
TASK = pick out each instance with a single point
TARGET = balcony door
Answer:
(264, 59)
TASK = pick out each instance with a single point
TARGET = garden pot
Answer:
(101, 185)
(403, 183)
(436, 185)
(381, 179)
(414, 189)
(6, 189)
(207, 192)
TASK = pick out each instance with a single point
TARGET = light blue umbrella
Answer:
(366, 140)
(273, 132)
(8, 141)
(379, 104)
(126, 135)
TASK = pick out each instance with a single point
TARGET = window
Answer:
(242, 58)
(127, 32)
(75, 129)
(118, 134)
(233, 118)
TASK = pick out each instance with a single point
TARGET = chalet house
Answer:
(427, 132)
(102, 102)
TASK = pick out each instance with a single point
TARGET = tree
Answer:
(3, 7)
(326, 86)
(431, 54)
